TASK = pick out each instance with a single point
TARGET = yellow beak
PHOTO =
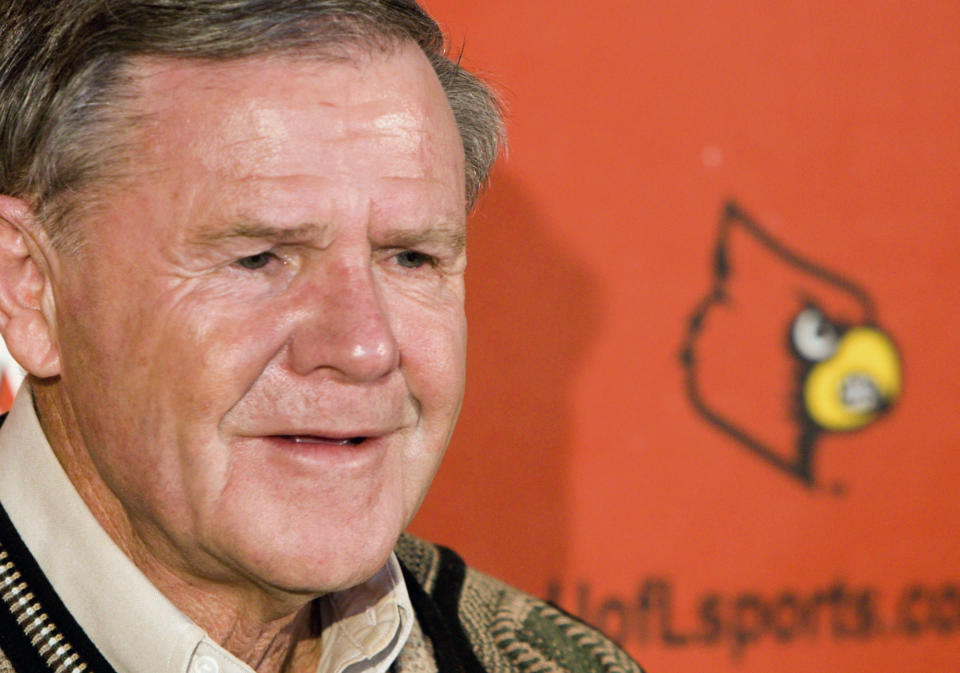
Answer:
(853, 386)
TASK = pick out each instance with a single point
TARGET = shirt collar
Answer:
(134, 625)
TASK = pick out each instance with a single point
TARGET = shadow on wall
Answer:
(532, 306)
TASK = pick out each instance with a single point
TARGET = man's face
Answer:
(263, 340)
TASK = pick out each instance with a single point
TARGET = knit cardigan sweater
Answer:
(466, 622)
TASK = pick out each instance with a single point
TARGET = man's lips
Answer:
(322, 440)
(319, 437)
(306, 434)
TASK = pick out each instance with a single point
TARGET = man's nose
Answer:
(344, 327)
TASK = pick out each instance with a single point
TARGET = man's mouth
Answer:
(327, 441)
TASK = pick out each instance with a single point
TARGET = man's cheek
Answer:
(440, 354)
(431, 329)
(220, 354)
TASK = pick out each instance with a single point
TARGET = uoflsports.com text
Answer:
(656, 616)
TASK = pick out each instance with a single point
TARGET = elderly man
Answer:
(231, 262)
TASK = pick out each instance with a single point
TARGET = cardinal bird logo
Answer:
(783, 350)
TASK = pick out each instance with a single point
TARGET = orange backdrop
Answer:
(719, 226)
(693, 508)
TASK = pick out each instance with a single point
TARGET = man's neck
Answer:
(290, 645)
(270, 635)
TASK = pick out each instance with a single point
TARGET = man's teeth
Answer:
(313, 439)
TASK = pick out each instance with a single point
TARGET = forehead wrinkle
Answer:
(260, 128)
(400, 149)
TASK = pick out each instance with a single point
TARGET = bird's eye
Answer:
(413, 259)
(254, 262)
(814, 337)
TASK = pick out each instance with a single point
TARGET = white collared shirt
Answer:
(135, 627)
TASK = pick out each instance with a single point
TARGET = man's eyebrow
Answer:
(251, 229)
(452, 237)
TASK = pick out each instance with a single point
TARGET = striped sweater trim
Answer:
(37, 633)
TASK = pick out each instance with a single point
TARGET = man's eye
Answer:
(258, 261)
(413, 259)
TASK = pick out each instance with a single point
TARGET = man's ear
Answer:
(26, 302)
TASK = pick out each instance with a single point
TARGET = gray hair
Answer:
(63, 68)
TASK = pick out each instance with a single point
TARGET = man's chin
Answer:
(326, 563)
(308, 537)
